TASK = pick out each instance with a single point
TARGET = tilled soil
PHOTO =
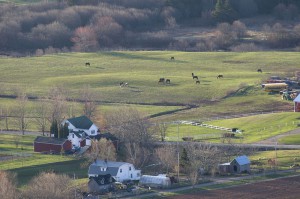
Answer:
(284, 188)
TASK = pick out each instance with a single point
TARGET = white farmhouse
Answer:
(120, 171)
(81, 129)
(81, 123)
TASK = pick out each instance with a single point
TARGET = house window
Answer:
(138, 174)
(131, 175)
(129, 168)
(120, 170)
(73, 135)
(93, 132)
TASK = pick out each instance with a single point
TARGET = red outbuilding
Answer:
(51, 144)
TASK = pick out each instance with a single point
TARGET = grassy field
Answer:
(291, 139)
(239, 91)
(255, 128)
(285, 158)
(142, 70)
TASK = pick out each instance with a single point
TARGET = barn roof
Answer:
(242, 160)
(82, 122)
(96, 170)
(297, 99)
(50, 140)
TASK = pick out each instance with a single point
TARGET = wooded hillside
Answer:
(92, 25)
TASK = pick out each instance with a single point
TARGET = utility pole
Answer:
(178, 152)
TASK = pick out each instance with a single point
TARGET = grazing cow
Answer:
(197, 82)
(259, 70)
(123, 84)
(195, 77)
(172, 58)
(161, 80)
(219, 76)
(87, 64)
(168, 81)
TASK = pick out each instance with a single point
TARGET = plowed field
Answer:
(284, 188)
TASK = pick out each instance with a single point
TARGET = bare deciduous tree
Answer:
(202, 158)
(42, 116)
(85, 39)
(49, 186)
(89, 105)
(8, 189)
(133, 132)
(167, 156)
(58, 107)
(21, 112)
(162, 129)
(103, 149)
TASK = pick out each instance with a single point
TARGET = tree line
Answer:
(101, 24)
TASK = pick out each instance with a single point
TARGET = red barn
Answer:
(50, 144)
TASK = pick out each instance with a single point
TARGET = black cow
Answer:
(161, 80)
(259, 70)
(172, 58)
(197, 82)
(87, 64)
(168, 81)
(219, 76)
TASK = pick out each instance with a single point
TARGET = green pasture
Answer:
(291, 139)
(285, 158)
(263, 126)
(255, 128)
(142, 70)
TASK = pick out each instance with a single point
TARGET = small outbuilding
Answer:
(101, 184)
(297, 104)
(159, 181)
(51, 144)
(240, 164)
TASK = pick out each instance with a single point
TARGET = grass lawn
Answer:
(285, 158)
(26, 164)
(291, 139)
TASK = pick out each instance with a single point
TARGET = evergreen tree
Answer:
(54, 129)
(184, 160)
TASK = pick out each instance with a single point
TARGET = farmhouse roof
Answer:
(81, 122)
(50, 140)
(96, 170)
(112, 168)
(297, 99)
(242, 160)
